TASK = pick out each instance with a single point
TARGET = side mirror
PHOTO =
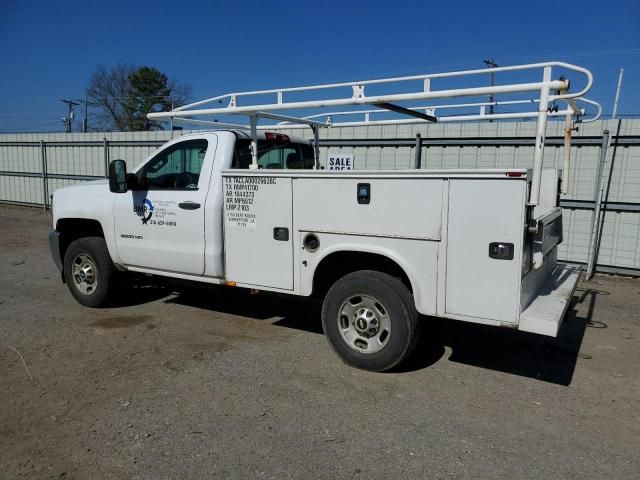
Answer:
(118, 176)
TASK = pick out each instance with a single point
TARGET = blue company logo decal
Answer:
(145, 210)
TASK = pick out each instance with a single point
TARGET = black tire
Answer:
(101, 268)
(398, 309)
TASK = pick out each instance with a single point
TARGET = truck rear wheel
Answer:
(370, 320)
(89, 271)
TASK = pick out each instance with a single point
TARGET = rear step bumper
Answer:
(545, 314)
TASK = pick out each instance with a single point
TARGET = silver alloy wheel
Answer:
(364, 323)
(85, 274)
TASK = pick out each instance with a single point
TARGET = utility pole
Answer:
(171, 123)
(69, 120)
(491, 64)
(85, 119)
(615, 102)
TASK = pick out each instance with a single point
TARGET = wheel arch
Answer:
(338, 262)
(415, 263)
(73, 228)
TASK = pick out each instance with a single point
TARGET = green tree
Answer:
(148, 92)
(122, 96)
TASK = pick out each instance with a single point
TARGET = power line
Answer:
(27, 117)
(29, 129)
(593, 54)
(469, 64)
(109, 97)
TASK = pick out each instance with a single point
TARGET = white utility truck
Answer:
(249, 207)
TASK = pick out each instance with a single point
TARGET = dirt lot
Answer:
(201, 383)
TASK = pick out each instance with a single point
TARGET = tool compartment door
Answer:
(482, 282)
(258, 231)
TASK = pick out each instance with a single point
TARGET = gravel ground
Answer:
(183, 382)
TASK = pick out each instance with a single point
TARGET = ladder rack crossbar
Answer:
(363, 100)
(431, 110)
(441, 119)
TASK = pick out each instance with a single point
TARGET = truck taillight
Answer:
(514, 174)
(277, 137)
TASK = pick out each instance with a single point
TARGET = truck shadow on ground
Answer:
(288, 311)
(505, 350)
(500, 349)
(138, 290)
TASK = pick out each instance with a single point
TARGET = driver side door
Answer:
(160, 222)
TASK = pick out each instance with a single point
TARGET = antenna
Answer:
(619, 87)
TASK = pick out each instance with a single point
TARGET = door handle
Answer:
(189, 205)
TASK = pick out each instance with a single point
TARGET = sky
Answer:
(51, 48)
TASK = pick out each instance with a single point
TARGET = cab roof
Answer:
(243, 134)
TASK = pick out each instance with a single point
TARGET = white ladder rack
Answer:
(403, 89)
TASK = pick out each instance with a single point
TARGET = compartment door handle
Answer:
(281, 234)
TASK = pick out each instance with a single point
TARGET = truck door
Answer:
(258, 239)
(160, 223)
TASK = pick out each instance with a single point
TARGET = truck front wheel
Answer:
(370, 320)
(89, 271)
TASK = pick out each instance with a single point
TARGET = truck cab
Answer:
(173, 201)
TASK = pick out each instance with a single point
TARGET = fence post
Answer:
(418, 160)
(105, 144)
(595, 226)
(43, 158)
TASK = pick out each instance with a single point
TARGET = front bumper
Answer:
(54, 245)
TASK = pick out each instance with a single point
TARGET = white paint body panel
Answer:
(405, 208)
(253, 208)
(482, 212)
(418, 259)
(173, 239)
(91, 201)
(213, 230)
(404, 221)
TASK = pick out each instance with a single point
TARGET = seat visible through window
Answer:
(273, 155)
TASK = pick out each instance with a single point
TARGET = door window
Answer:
(175, 168)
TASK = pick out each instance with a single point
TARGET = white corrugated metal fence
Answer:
(68, 158)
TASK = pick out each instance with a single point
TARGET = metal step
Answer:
(545, 314)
